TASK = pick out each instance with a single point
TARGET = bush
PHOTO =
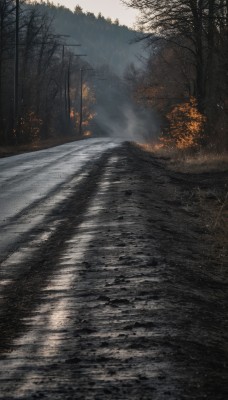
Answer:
(186, 125)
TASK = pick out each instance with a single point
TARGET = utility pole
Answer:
(81, 101)
(65, 78)
(67, 88)
(68, 45)
(81, 98)
(68, 93)
(16, 69)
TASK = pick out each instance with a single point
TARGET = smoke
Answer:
(119, 116)
(130, 124)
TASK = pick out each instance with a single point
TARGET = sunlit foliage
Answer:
(189, 57)
(88, 114)
(185, 126)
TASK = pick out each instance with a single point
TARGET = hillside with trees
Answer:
(105, 42)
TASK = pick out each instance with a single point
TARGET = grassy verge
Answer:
(6, 151)
(205, 178)
(199, 162)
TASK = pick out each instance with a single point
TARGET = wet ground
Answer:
(121, 293)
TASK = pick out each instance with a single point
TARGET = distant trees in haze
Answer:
(41, 73)
(49, 72)
(189, 59)
(105, 41)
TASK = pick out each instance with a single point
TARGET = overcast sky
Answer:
(109, 8)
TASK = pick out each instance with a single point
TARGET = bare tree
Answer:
(7, 8)
(200, 29)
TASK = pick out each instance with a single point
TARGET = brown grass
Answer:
(212, 199)
(201, 162)
(181, 161)
(6, 151)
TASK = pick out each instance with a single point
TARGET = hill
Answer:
(105, 42)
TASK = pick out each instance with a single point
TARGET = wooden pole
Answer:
(16, 71)
(81, 101)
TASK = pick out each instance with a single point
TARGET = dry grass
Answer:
(6, 151)
(199, 162)
(212, 198)
(214, 215)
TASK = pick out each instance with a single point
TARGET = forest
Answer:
(61, 70)
(52, 61)
(186, 77)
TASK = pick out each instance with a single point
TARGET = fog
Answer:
(130, 124)
(118, 115)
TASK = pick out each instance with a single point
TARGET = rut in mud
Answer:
(124, 298)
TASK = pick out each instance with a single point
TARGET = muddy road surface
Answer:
(112, 285)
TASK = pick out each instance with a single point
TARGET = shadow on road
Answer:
(119, 302)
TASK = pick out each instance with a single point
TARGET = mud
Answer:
(126, 295)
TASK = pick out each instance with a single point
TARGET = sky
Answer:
(108, 8)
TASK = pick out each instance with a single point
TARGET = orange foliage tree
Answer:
(185, 126)
(89, 100)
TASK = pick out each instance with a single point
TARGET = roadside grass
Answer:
(200, 163)
(6, 151)
(183, 161)
(211, 197)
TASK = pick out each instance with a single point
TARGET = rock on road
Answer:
(107, 284)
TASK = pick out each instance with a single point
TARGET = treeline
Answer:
(186, 77)
(79, 11)
(106, 42)
(41, 85)
(40, 82)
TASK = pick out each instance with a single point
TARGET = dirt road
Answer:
(121, 293)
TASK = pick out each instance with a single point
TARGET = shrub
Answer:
(185, 126)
